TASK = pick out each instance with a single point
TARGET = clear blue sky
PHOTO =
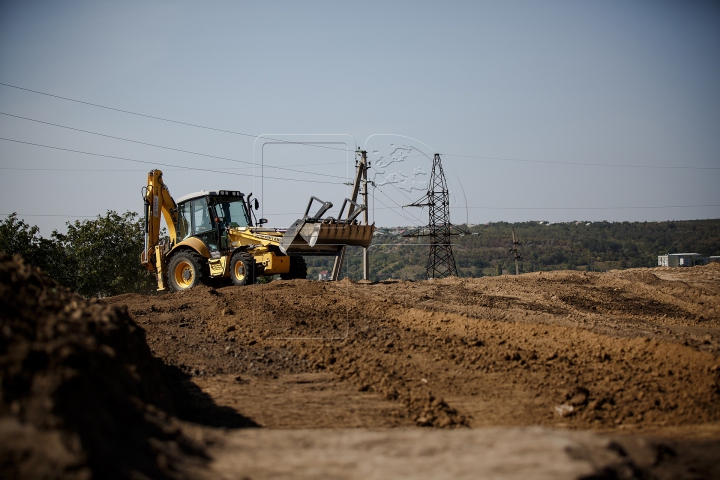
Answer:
(606, 82)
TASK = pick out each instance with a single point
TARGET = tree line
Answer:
(101, 257)
(589, 246)
(97, 258)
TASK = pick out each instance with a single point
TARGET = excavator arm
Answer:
(157, 199)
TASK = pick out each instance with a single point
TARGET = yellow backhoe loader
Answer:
(215, 234)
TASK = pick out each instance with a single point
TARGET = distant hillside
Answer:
(597, 246)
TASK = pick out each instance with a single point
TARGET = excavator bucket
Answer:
(315, 235)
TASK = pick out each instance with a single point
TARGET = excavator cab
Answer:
(209, 216)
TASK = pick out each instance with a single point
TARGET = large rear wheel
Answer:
(184, 271)
(298, 269)
(242, 269)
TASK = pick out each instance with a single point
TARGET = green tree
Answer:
(105, 255)
(19, 238)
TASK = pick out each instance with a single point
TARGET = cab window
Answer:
(233, 211)
(184, 221)
(194, 218)
(202, 222)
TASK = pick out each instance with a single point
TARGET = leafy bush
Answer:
(96, 258)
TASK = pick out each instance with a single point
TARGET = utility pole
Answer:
(441, 262)
(364, 162)
(514, 250)
(360, 177)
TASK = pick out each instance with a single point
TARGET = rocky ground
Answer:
(546, 375)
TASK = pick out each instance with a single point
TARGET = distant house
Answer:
(324, 275)
(681, 260)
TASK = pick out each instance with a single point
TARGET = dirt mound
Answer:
(92, 388)
(625, 351)
(82, 395)
(607, 351)
(639, 275)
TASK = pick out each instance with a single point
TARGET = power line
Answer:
(136, 169)
(394, 210)
(586, 208)
(396, 187)
(581, 163)
(164, 147)
(532, 208)
(77, 169)
(165, 164)
(96, 169)
(172, 121)
(310, 144)
(91, 216)
(48, 215)
(398, 205)
(570, 208)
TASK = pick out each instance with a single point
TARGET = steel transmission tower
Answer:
(440, 262)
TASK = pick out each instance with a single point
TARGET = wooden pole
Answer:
(360, 173)
(514, 250)
(366, 264)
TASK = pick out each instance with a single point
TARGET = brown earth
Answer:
(632, 351)
(82, 395)
(625, 350)
(628, 358)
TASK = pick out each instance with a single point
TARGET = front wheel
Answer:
(242, 269)
(184, 271)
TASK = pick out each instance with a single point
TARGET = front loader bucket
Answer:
(320, 238)
(313, 235)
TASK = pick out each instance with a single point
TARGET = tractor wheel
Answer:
(184, 271)
(298, 269)
(242, 269)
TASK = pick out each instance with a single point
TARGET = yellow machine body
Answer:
(270, 249)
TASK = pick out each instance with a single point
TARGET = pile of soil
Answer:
(625, 350)
(105, 388)
(82, 395)
(613, 354)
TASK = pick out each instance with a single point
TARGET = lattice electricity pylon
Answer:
(440, 262)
